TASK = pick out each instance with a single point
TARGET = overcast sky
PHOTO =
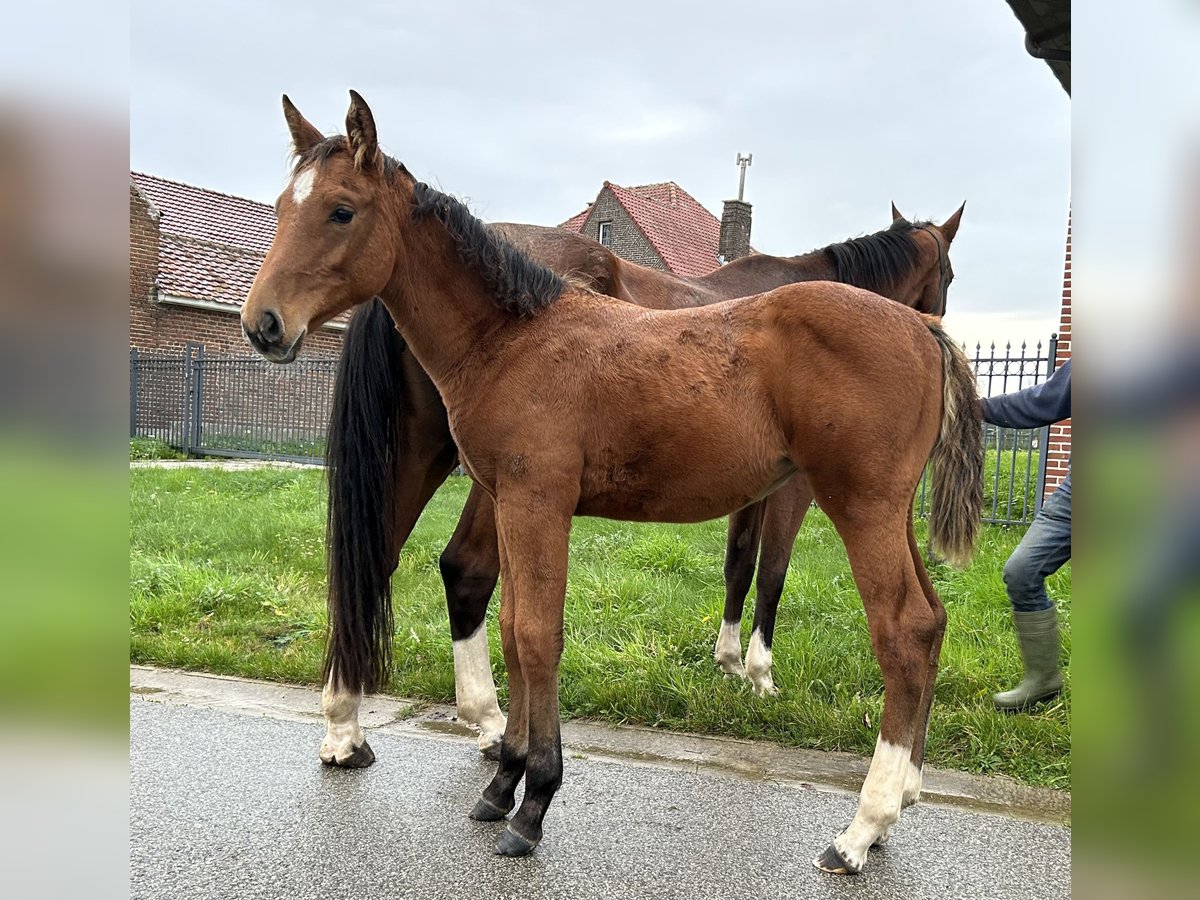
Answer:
(524, 109)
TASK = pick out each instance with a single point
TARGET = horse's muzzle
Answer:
(267, 336)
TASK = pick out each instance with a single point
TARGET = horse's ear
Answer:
(305, 135)
(360, 128)
(949, 228)
(896, 214)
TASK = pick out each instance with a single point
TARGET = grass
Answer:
(227, 575)
(152, 448)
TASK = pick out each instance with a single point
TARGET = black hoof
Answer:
(486, 811)
(834, 863)
(512, 844)
(362, 757)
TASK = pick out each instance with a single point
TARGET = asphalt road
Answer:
(235, 805)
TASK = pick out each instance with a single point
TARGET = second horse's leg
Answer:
(741, 549)
(470, 565)
(785, 511)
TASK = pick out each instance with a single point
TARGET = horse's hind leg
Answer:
(741, 549)
(912, 785)
(904, 636)
(785, 511)
(470, 565)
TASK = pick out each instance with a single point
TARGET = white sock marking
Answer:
(758, 665)
(302, 185)
(878, 803)
(475, 690)
(728, 652)
(342, 735)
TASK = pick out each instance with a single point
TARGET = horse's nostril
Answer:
(270, 327)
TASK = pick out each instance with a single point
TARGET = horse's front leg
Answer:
(498, 797)
(470, 565)
(344, 744)
(535, 531)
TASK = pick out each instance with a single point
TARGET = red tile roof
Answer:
(577, 221)
(685, 234)
(211, 244)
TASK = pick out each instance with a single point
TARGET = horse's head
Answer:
(926, 291)
(333, 248)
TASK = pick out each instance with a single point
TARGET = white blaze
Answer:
(474, 689)
(302, 185)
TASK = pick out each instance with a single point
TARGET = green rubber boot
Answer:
(1037, 636)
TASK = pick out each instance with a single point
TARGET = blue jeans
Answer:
(1044, 550)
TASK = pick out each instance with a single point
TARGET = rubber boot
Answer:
(1037, 636)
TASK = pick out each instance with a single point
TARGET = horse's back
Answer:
(849, 368)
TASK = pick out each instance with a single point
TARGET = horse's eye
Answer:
(341, 215)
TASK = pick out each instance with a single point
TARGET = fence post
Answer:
(198, 398)
(189, 355)
(133, 391)
(1044, 434)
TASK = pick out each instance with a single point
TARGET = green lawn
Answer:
(227, 575)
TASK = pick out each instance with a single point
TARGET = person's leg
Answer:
(1045, 548)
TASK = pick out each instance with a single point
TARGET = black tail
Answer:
(360, 456)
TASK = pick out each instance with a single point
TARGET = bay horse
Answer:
(566, 402)
(390, 448)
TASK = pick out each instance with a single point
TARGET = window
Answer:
(605, 236)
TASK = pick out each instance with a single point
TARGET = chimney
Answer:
(735, 219)
(735, 230)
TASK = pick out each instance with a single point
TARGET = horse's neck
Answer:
(758, 273)
(443, 309)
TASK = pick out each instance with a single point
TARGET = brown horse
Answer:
(565, 402)
(376, 493)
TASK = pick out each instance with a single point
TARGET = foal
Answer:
(552, 404)
(390, 448)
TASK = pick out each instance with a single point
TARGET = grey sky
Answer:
(525, 108)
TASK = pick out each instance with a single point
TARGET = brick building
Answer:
(1058, 455)
(662, 226)
(193, 254)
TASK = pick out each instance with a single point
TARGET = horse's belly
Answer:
(678, 492)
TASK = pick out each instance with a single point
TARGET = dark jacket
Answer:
(1035, 407)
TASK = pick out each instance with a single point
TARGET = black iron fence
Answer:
(1014, 470)
(239, 406)
(243, 406)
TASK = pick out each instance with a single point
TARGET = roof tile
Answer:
(685, 234)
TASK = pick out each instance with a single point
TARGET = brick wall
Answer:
(627, 240)
(166, 327)
(1059, 456)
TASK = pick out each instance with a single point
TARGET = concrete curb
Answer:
(756, 760)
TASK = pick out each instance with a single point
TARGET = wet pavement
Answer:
(228, 800)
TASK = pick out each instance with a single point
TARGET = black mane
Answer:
(518, 284)
(877, 261)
